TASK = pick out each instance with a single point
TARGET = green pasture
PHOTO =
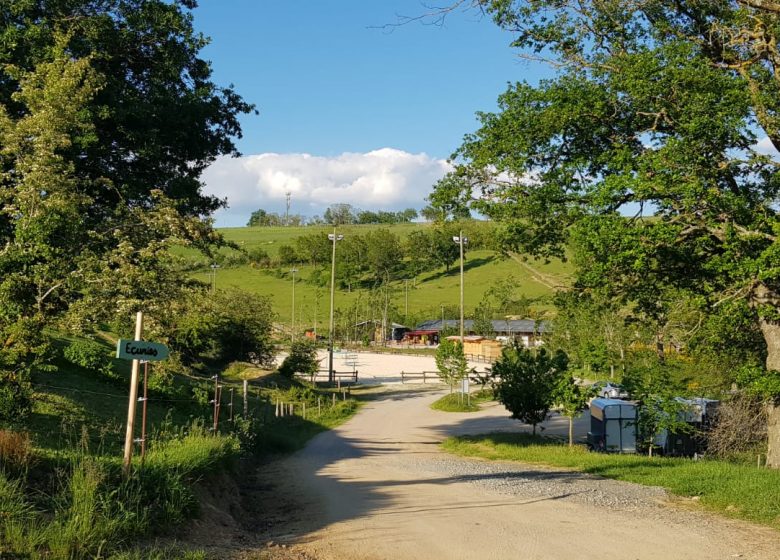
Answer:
(424, 295)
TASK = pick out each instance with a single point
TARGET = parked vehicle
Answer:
(699, 413)
(610, 390)
(612, 426)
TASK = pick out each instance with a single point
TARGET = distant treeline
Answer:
(372, 256)
(336, 214)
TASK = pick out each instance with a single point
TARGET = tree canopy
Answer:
(108, 117)
(647, 147)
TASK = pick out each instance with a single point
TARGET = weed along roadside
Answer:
(742, 491)
(65, 489)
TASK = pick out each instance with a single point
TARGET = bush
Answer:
(302, 359)
(88, 354)
(15, 450)
(235, 369)
(15, 398)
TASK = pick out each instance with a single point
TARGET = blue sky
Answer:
(349, 112)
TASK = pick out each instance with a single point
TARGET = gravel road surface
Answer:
(378, 487)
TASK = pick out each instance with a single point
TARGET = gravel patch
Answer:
(529, 482)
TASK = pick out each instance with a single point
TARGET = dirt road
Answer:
(379, 488)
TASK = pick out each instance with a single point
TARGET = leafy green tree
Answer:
(572, 398)
(367, 217)
(287, 255)
(159, 119)
(406, 215)
(107, 119)
(314, 248)
(483, 319)
(351, 263)
(443, 250)
(339, 214)
(657, 105)
(223, 326)
(451, 362)
(654, 388)
(302, 359)
(527, 380)
(261, 218)
(383, 254)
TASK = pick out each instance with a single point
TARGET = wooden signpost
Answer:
(137, 350)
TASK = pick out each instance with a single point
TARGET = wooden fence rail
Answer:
(425, 375)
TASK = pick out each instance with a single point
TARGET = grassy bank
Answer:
(740, 491)
(456, 402)
(62, 491)
(79, 505)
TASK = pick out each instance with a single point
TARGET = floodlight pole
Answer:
(460, 240)
(292, 317)
(333, 237)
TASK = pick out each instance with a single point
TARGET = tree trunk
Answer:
(571, 431)
(771, 330)
(773, 433)
(762, 295)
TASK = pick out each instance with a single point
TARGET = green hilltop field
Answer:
(426, 293)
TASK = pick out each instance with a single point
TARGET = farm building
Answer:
(475, 346)
(526, 331)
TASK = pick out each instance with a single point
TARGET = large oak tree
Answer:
(658, 109)
(108, 117)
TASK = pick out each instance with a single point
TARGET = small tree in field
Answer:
(572, 399)
(451, 362)
(302, 359)
(527, 381)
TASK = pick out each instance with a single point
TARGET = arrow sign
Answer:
(141, 350)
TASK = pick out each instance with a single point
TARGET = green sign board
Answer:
(141, 350)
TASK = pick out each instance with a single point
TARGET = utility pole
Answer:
(128, 455)
(287, 195)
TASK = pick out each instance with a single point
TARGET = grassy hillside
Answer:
(426, 293)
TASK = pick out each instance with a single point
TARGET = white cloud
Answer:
(765, 146)
(384, 179)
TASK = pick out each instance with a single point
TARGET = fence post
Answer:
(246, 398)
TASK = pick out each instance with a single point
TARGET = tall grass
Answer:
(737, 490)
(95, 510)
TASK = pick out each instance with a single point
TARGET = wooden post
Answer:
(216, 407)
(139, 321)
(231, 404)
(319, 406)
(246, 398)
(218, 398)
(143, 413)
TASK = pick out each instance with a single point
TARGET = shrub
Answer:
(15, 398)
(88, 354)
(526, 381)
(235, 369)
(15, 450)
(302, 359)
